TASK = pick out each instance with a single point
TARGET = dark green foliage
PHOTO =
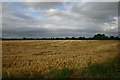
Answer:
(104, 70)
(57, 73)
(100, 37)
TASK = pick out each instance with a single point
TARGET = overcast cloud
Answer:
(59, 19)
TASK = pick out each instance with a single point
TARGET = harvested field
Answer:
(22, 58)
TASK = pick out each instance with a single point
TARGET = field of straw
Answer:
(42, 58)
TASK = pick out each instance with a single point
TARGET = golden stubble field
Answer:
(26, 56)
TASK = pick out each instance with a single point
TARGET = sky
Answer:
(59, 19)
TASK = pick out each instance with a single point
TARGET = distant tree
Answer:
(73, 38)
(100, 37)
(24, 38)
(117, 38)
(66, 38)
(89, 38)
(112, 37)
(81, 38)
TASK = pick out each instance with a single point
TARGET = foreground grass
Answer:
(104, 70)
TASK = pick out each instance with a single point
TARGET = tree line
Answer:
(95, 37)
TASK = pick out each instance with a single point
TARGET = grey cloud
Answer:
(14, 13)
(76, 20)
(42, 5)
(43, 33)
(22, 16)
(104, 11)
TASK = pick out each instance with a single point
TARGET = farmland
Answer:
(35, 58)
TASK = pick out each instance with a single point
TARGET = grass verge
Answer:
(105, 70)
